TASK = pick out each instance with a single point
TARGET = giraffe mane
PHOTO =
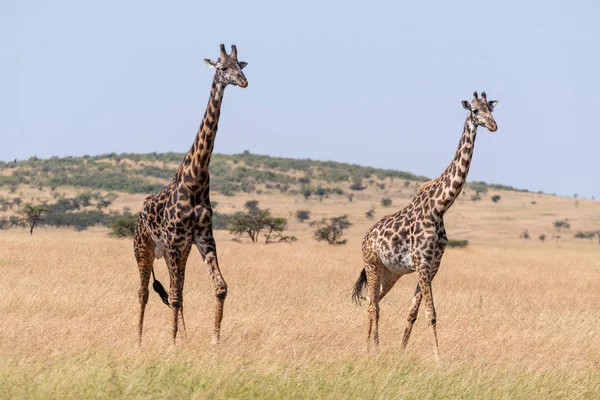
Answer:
(428, 184)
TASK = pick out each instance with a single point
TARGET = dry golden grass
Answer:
(516, 318)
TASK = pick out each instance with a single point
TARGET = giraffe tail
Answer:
(159, 288)
(358, 287)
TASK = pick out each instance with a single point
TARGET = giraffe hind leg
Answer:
(143, 298)
(373, 289)
(143, 254)
(412, 316)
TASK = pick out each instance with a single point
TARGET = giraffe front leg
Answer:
(425, 285)
(220, 294)
(208, 250)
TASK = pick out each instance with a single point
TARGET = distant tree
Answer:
(542, 237)
(123, 226)
(10, 222)
(274, 231)
(306, 192)
(332, 230)
(32, 216)
(561, 224)
(320, 192)
(103, 203)
(475, 197)
(406, 184)
(255, 221)
(386, 202)
(302, 215)
(496, 198)
(370, 214)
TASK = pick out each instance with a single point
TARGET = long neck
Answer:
(193, 171)
(454, 177)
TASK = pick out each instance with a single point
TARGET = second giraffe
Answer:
(414, 238)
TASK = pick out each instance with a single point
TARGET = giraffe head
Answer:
(480, 111)
(229, 69)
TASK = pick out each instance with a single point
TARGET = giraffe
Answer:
(180, 214)
(414, 238)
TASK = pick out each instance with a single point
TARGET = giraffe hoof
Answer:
(215, 340)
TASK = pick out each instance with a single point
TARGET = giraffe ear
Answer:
(466, 105)
(210, 63)
(492, 104)
(242, 64)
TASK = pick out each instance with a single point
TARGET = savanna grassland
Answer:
(517, 318)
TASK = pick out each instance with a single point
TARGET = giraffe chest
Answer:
(175, 226)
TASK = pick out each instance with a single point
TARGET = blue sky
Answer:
(373, 83)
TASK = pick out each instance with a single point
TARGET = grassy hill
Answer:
(86, 191)
(246, 172)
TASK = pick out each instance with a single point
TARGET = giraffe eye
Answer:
(475, 111)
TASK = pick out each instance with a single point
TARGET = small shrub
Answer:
(475, 197)
(370, 214)
(357, 186)
(386, 202)
(542, 237)
(120, 227)
(302, 215)
(496, 198)
(458, 243)
(306, 193)
(585, 235)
